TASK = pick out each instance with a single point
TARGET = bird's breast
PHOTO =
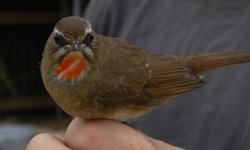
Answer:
(72, 67)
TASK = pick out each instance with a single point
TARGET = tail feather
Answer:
(202, 63)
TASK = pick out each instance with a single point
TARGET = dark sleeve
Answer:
(215, 117)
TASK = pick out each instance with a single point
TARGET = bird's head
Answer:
(69, 50)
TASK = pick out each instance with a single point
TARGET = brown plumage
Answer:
(103, 77)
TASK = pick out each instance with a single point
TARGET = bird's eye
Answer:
(89, 39)
(57, 39)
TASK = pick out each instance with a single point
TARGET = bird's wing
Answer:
(169, 78)
(151, 83)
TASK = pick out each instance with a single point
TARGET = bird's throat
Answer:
(72, 67)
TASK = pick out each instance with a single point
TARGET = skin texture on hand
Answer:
(98, 134)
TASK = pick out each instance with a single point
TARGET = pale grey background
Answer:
(215, 117)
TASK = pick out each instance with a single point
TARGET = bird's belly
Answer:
(119, 114)
(125, 114)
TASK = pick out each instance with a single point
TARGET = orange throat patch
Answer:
(72, 67)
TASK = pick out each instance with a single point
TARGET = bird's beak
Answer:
(76, 45)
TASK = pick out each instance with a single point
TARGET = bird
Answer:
(95, 76)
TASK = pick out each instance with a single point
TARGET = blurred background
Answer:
(24, 103)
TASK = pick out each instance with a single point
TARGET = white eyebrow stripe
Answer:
(57, 31)
(60, 33)
(87, 30)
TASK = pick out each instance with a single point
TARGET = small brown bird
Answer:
(94, 76)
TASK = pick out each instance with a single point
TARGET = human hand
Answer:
(98, 134)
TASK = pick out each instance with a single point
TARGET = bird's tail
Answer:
(202, 63)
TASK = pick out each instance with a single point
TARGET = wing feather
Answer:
(151, 82)
(169, 78)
